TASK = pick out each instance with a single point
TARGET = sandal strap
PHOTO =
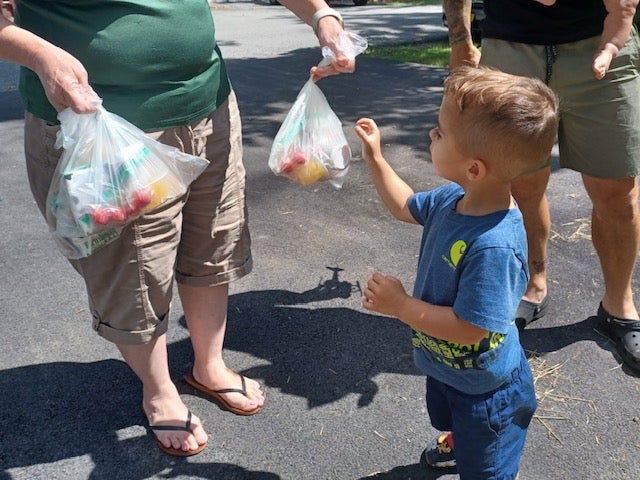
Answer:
(242, 390)
(617, 322)
(624, 324)
(185, 428)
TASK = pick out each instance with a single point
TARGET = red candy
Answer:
(104, 215)
(118, 215)
(100, 216)
(142, 198)
(295, 159)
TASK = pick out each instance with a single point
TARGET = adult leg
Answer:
(205, 309)
(160, 399)
(529, 192)
(615, 233)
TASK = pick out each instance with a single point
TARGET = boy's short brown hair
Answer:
(509, 121)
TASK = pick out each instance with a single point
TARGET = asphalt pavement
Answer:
(344, 400)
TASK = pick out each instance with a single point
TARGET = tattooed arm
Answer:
(463, 51)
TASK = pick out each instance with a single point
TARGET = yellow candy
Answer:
(161, 190)
(310, 172)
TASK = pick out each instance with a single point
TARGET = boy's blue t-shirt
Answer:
(478, 266)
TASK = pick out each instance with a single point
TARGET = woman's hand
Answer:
(329, 29)
(65, 81)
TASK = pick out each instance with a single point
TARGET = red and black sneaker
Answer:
(440, 452)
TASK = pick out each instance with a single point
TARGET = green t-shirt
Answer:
(155, 63)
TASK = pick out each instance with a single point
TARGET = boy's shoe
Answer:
(440, 452)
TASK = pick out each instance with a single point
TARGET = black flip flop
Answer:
(177, 452)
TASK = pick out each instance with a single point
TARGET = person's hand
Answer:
(464, 54)
(369, 133)
(65, 81)
(384, 294)
(328, 30)
(601, 63)
(8, 9)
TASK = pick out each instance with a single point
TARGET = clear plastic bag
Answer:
(310, 145)
(109, 174)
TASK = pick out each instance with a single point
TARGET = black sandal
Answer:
(529, 312)
(177, 452)
(626, 335)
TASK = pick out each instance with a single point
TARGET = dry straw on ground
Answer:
(582, 231)
(553, 403)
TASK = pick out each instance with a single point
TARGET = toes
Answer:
(173, 434)
(255, 393)
(199, 436)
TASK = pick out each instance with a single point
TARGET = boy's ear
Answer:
(477, 169)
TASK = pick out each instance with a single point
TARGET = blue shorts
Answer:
(489, 429)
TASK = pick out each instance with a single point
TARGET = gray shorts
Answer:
(599, 132)
(200, 239)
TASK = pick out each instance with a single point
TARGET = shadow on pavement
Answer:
(313, 353)
(67, 409)
(62, 410)
(411, 472)
(553, 339)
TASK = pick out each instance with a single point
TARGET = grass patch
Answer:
(403, 3)
(427, 53)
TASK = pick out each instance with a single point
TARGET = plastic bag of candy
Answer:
(310, 145)
(109, 174)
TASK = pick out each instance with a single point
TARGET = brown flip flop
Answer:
(217, 395)
(177, 452)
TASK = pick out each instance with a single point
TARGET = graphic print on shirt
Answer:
(456, 355)
(455, 253)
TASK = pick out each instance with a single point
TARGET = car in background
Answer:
(477, 16)
(355, 2)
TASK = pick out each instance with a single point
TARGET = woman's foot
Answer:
(227, 387)
(168, 410)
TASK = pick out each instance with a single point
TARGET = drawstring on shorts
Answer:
(552, 54)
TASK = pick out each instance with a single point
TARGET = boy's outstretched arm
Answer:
(385, 294)
(391, 188)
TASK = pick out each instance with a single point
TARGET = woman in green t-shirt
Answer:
(157, 65)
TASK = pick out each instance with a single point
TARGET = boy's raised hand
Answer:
(369, 133)
(384, 294)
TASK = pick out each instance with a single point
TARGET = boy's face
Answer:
(448, 162)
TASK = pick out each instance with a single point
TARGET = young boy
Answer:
(472, 267)
(617, 27)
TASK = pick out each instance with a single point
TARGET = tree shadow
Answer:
(320, 354)
(417, 471)
(10, 101)
(56, 411)
(553, 339)
(62, 410)
(411, 96)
